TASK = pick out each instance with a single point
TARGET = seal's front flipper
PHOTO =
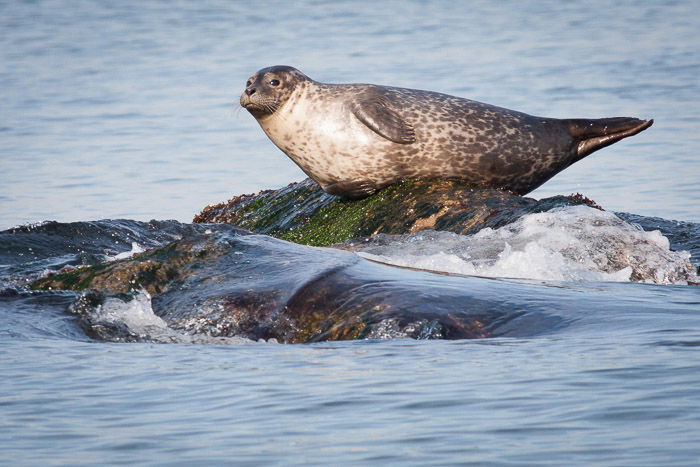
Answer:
(595, 134)
(352, 189)
(374, 110)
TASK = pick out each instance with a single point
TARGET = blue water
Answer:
(129, 110)
(618, 399)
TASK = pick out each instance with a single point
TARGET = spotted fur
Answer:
(354, 139)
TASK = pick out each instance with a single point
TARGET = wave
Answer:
(575, 243)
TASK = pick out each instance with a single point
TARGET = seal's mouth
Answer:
(245, 101)
(251, 106)
(256, 108)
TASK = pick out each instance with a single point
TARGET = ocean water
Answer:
(129, 110)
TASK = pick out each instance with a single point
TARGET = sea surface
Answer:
(128, 110)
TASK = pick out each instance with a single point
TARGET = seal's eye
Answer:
(248, 83)
(274, 82)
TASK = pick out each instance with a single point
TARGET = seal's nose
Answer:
(250, 90)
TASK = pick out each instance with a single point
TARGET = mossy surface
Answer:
(303, 213)
(77, 279)
(151, 270)
(333, 223)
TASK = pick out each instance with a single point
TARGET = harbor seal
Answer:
(355, 139)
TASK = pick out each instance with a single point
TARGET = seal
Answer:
(355, 139)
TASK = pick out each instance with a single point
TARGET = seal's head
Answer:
(269, 88)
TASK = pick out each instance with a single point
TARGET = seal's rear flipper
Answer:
(595, 134)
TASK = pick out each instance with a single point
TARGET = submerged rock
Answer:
(221, 281)
(303, 213)
(229, 283)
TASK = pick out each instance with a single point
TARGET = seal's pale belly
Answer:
(327, 143)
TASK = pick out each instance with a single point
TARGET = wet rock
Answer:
(221, 281)
(303, 213)
(232, 284)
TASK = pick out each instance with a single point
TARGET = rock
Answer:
(233, 284)
(228, 282)
(303, 213)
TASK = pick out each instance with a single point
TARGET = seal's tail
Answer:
(596, 134)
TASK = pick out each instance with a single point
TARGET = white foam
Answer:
(135, 249)
(575, 243)
(136, 314)
(138, 317)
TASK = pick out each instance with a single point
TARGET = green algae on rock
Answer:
(152, 270)
(303, 213)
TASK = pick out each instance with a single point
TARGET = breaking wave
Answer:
(575, 243)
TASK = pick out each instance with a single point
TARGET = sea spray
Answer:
(575, 243)
(130, 317)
